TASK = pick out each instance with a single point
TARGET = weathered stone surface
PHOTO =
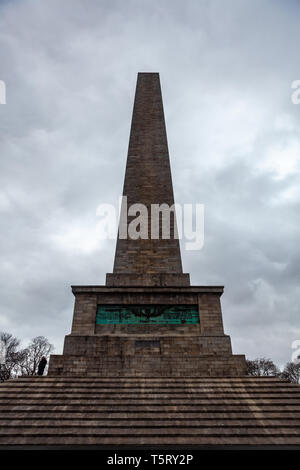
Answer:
(111, 350)
(146, 280)
(148, 181)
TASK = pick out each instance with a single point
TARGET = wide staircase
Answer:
(52, 411)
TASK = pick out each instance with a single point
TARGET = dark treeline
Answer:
(264, 367)
(15, 361)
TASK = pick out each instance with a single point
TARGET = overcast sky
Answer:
(226, 70)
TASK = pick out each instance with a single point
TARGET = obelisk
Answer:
(148, 181)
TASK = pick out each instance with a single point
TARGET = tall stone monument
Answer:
(147, 319)
(147, 364)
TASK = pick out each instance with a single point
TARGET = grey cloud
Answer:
(70, 69)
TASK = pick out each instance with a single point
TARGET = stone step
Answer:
(154, 379)
(182, 441)
(151, 431)
(63, 415)
(154, 400)
(140, 411)
(150, 407)
(142, 394)
(62, 388)
(127, 422)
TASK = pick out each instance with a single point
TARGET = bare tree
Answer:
(262, 366)
(12, 356)
(15, 361)
(38, 348)
(291, 372)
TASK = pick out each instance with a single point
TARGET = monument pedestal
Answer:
(182, 336)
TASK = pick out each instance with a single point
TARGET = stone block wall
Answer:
(147, 366)
(150, 350)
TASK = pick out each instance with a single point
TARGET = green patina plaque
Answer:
(147, 314)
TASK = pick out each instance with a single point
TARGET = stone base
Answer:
(149, 356)
(147, 366)
(147, 280)
(150, 350)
